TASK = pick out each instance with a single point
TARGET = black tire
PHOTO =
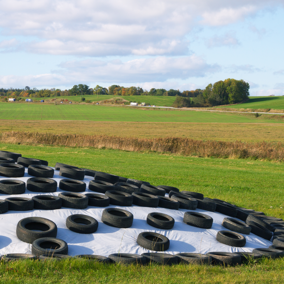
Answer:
(128, 258)
(106, 177)
(82, 224)
(242, 213)
(100, 186)
(12, 186)
(122, 179)
(145, 200)
(18, 256)
(194, 258)
(168, 203)
(28, 161)
(236, 226)
(6, 154)
(160, 220)
(185, 202)
(59, 165)
(126, 187)
(73, 173)
(20, 203)
(90, 173)
(119, 198)
(225, 258)
(268, 252)
(231, 239)
(47, 202)
(6, 161)
(43, 162)
(167, 189)
(74, 200)
(40, 171)
(258, 220)
(41, 185)
(98, 200)
(118, 218)
(206, 204)
(198, 220)
(3, 206)
(93, 257)
(226, 209)
(55, 257)
(280, 249)
(72, 185)
(150, 189)
(279, 242)
(196, 195)
(259, 230)
(161, 258)
(49, 246)
(247, 256)
(12, 170)
(153, 241)
(26, 229)
(137, 182)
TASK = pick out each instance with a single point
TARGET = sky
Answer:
(166, 44)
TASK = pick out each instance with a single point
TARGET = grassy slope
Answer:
(261, 103)
(252, 184)
(26, 111)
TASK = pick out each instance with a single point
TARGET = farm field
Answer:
(251, 184)
(276, 103)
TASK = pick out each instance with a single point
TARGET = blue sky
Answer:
(163, 43)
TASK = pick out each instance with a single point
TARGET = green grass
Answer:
(251, 184)
(29, 111)
(261, 103)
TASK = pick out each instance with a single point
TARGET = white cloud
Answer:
(229, 39)
(8, 45)
(243, 68)
(279, 72)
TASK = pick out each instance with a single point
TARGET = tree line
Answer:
(229, 91)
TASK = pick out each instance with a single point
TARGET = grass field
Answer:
(260, 103)
(251, 184)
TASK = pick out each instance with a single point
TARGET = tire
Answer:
(137, 182)
(168, 203)
(247, 256)
(11, 155)
(98, 200)
(73, 173)
(43, 162)
(6, 161)
(20, 203)
(161, 258)
(260, 231)
(28, 161)
(126, 187)
(118, 218)
(82, 224)
(128, 258)
(40, 171)
(93, 257)
(198, 220)
(106, 177)
(279, 242)
(12, 186)
(41, 185)
(119, 198)
(90, 173)
(185, 202)
(72, 185)
(236, 226)
(194, 258)
(18, 256)
(167, 189)
(226, 209)
(258, 220)
(225, 258)
(56, 257)
(3, 206)
(59, 165)
(153, 241)
(231, 239)
(122, 179)
(196, 195)
(150, 189)
(160, 220)
(12, 170)
(74, 200)
(100, 186)
(206, 204)
(145, 200)
(268, 252)
(47, 202)
(280, 249)
(242, 213)
(49, 246)
(26, 229)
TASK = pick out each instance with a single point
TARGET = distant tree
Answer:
(182, 102)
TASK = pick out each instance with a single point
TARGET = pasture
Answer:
(251, 184)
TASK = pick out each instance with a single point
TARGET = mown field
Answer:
(252, 184)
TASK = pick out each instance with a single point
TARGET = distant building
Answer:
(143, 104)
(29, 100)
(133, 104)
(11, 100)
(42, 101)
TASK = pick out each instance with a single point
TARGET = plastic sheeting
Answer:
(107, 240)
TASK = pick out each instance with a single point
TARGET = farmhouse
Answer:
(11, 100)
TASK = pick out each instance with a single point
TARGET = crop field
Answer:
(252, 184)
(264, 103)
